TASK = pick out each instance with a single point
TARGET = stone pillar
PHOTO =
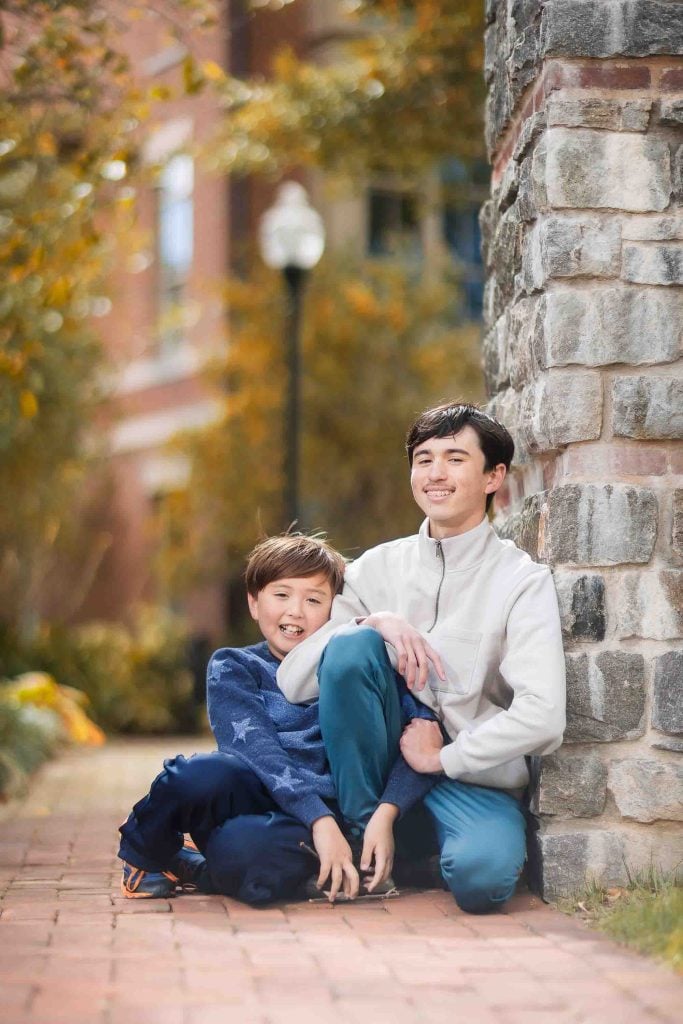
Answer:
(583, 242)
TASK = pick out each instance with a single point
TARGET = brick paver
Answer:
(72, 950)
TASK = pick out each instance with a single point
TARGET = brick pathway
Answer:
(72, 950)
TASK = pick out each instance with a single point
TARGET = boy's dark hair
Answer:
(291, 555)
(450, 418)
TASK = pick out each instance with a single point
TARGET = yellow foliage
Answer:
(68, 108)
(59, 291)
(12, 363)
(214, 72)
(397, 316)
(41, 690)
(403, 90)
(378, 345)
(360, 299)
(28, 404)
(160, 92)
(45, 144)
(193, 77)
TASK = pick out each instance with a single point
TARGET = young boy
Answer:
(254, 807)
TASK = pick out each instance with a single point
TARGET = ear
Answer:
(496, 477)
(253, 606)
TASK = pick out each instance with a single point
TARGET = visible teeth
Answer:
(292, 630)
(438, 494)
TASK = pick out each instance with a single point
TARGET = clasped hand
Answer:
(414, 653)
(336, 863)
(421, 745)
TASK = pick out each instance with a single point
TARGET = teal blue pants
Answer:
(480, 831)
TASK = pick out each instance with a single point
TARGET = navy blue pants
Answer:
(251, 847)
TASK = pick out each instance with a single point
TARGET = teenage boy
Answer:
(472, 625)
(250, 806)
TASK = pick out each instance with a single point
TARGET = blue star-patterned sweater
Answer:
(281, 742)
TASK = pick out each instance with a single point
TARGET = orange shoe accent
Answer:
(129, 886)
(132, 879)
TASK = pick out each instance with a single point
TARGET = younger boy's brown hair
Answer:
(293, 555)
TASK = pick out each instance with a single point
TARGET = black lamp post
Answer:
(292, 240)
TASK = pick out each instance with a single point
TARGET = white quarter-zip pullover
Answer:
(492, 615)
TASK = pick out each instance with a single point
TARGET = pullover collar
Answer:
(457, 553)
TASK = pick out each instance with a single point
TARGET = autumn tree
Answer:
(71, 115)
(403, 90)
(379, 342)
(402, 94)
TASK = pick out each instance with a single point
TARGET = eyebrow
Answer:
(448, 451)
(309, 590)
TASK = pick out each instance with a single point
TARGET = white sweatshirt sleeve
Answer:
(534, 668)
(297, 675)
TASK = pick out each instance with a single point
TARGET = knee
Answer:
(257, 858)
(350, 654)
(231, 853)
(202, 775)
(481, 880)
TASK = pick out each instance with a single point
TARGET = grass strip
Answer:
(646, 914)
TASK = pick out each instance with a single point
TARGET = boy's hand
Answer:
(421, 745)
(414, 653)
(378, 844)
(335, 859)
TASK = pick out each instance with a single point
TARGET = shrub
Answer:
(28, 736)
(136, 679)
(36, 715)
(38, 693)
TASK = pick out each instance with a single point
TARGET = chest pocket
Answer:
(459, 650)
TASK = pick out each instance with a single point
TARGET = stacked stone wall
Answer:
(583, 243)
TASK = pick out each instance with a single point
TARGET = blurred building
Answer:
(167, 313)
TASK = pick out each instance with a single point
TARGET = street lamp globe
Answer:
(291, 233)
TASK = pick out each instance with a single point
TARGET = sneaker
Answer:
(137, 884)
(385, 888)
(420, 873)
(189, 869)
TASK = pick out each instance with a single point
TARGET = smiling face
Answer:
(289, 610)
(450, 483)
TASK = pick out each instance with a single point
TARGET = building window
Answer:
(464, 190)
(462, 236)
(175, 246)
(393, 223)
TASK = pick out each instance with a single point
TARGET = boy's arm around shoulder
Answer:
(297, 675)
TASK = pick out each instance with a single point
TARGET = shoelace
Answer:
(132, 883)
